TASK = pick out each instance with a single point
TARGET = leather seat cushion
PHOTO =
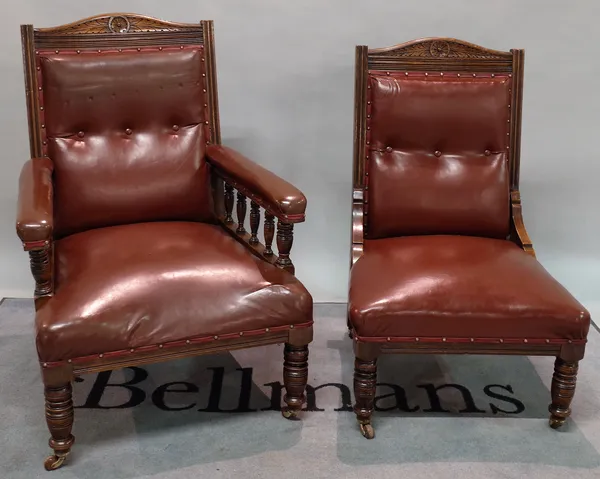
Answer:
(135, 285)
(456, 287)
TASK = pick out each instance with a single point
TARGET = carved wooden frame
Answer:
(118, 31)
(441, 55)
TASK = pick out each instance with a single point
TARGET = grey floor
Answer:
(488, 420)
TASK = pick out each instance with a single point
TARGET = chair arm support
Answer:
(518, 231)
(34, 206)
(275, 195)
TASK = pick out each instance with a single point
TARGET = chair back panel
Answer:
(125, 116)
(436, 140)
(437, 154)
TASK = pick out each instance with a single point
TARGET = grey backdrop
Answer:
(286, 94)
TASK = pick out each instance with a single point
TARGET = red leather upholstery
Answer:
(437, 159)
(146, 284)
(126, 132)
(458, 288)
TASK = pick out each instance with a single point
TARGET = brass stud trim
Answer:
(45, 365)
(216, 337)
(444, 340)
(187, 341)
(101, 355)
(69, 361)
(389, 339)
(241, 333)
(417, 339)
(160, 346)
(291, 326)
(267, 330)
(131, 350)
(524, 340)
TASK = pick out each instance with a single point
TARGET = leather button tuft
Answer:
(81, 134)
(487, 152)
(389, 149)
(437, 153)
(128, 131)
(175, 127)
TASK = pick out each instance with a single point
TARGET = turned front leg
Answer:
(59, 416)
(365, 383)
(563, 388)
(295, 377)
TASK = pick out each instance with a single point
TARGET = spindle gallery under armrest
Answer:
(285, 231)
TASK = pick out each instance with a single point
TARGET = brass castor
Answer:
(53, 462)
(366, 429)
(556, 422)
(291, 414)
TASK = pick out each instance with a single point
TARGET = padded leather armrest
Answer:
(34, 207)
(276, 195)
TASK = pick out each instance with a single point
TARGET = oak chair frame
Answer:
(447, 56)
(119, 31)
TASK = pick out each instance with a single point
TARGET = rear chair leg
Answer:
(59, 416)
(365, 382)
(295, 377)
(562, 390)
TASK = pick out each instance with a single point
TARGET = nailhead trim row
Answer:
(174, 344)
(49, 53)
(433, 77)
(448, 340)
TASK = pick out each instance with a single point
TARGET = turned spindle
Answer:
(254, 222)
(228, 203)
(285, 238)
(241, 213)
(41, 269)
(269, 230)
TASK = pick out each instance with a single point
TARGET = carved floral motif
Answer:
(440, 49)
(116, 24)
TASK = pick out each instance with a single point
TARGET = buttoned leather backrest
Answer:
(126, 130)
(437, 154)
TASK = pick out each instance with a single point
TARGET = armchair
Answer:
(126, 210)
(441, 262)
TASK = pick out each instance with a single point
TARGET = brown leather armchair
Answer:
(441, 261)
(126, 211)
